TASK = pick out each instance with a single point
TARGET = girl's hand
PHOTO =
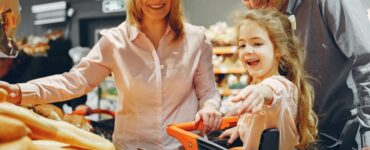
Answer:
(232, 133)
(253, 98)
(12, 91)
(211, 119)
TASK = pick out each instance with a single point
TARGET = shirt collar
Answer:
(134, 31)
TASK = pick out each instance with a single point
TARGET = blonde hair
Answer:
(291, 58)
(175, 17)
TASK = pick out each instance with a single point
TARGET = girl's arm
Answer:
(253, 98)
(268, 92)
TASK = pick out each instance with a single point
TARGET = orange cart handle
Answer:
(191, 126)
(188, 139)
(85, 112)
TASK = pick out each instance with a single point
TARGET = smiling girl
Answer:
(279, 94)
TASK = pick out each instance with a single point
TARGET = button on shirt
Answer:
(155, 87)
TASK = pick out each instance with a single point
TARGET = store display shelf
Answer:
(225, 50)
(229, 71)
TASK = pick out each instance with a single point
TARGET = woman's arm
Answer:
(78, 81)
(206, 90)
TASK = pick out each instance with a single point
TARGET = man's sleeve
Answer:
(350, 27)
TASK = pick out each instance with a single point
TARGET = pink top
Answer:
(155, 87)
(281, 115)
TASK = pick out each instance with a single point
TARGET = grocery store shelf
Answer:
(227, 71)
(225, 50)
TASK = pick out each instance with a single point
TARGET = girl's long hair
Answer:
(291, 65)
(175, 17)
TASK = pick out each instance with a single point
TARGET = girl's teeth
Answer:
(253, 63)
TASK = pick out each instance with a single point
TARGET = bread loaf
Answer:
(78, 121)
(49, 111)
(43, 128)
(23, 143)
(3, 95)
(12, 129)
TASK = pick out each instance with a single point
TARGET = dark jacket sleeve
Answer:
(349, 25)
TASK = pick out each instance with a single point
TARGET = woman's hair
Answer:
(291, 58)
(175, 17)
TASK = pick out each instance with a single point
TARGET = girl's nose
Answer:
(247, 50)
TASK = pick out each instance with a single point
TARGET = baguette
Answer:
(49, 111)
(47, 129)
(12, 129)
(23, 143)
(3, 95)
(78, 121)
(52, 145)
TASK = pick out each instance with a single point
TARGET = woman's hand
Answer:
(232, 133)
(253, 98)
(211, 119)
(12, 92)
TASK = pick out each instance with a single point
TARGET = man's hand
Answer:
(13, 92)
(254, 4)
(211, 119)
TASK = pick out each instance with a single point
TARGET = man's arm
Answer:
(350, 28)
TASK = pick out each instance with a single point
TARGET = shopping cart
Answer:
(190, 141)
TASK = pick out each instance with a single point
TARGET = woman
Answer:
(162, 69)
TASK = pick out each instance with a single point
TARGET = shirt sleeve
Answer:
(348, 23)
(283, 91)
(204, 79)
(78, 81)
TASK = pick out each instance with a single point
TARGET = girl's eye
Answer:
(257, 44)
(241, 46)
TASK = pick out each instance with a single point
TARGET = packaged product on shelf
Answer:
(221, 34)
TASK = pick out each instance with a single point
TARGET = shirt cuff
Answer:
(211, 104)
(29, 95)
(276, 90)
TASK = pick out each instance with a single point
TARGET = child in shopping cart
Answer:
(279, 94)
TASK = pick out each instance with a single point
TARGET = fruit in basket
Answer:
(3, 95)
(23, 143)
(11, 129)
(44, 128)
(49, 111)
